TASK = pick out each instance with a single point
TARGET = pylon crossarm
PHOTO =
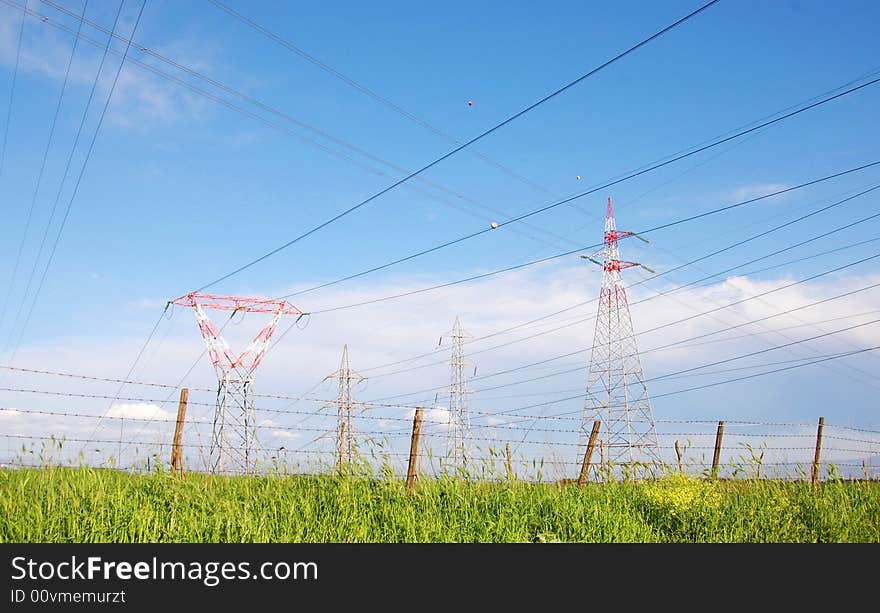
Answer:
(237, 303)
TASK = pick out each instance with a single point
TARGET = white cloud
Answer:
(286, 434)
(138, 410)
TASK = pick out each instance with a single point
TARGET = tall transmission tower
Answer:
(458, 436)
(616, 391)
(234, 437)
(345, 437)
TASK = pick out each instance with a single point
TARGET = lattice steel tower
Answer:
(616, 391)
(234, 437)
(345, 437)
(458, 436)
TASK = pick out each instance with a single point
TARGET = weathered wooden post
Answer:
(814, 473)
(176, 447)
(585, 466)
(412, 468)
(715, 457)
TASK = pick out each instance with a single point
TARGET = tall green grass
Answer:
(98, 505)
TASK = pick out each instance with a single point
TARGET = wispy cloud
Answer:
(747, 192)
(142, 99)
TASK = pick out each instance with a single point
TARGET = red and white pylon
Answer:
(234, 437)
(616, 391)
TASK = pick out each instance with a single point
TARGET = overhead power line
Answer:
(3, 151)
(84, 164)
(687, 370)
(371, 93)
(11, 96)
(682, 343)
(580, 320)
(585, 193)
(449, 154)
(586, 302)
(697, 387)
(594, 245)
(27, 225)
(61, 183)
(683, 320)
(43, 19)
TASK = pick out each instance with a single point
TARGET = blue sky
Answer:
(180, 189)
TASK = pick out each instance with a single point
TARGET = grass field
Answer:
(98, 505)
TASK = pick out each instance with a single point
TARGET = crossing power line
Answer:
(82, 170)
(606, 185)
(595, 245)
(272, 110)
(696, 315)
(11, 97)
(464, 145)
(30, 213)
(654, 276)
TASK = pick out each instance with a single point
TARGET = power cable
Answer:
(587, 247)
(457, 149)
(30, 214)
(580, 195)
(82, 169)
(11, 96)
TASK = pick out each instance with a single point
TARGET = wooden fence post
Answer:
(176, 448)
(814, 473)
(412, 469)
(510, 476)
(585, 466)
(718, 436)
(678, 455)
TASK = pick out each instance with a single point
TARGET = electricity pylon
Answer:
(616, 391)
(234, 435)
(345, 436)
(458, 435)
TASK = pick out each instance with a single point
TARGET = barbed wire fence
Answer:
(46, 427)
